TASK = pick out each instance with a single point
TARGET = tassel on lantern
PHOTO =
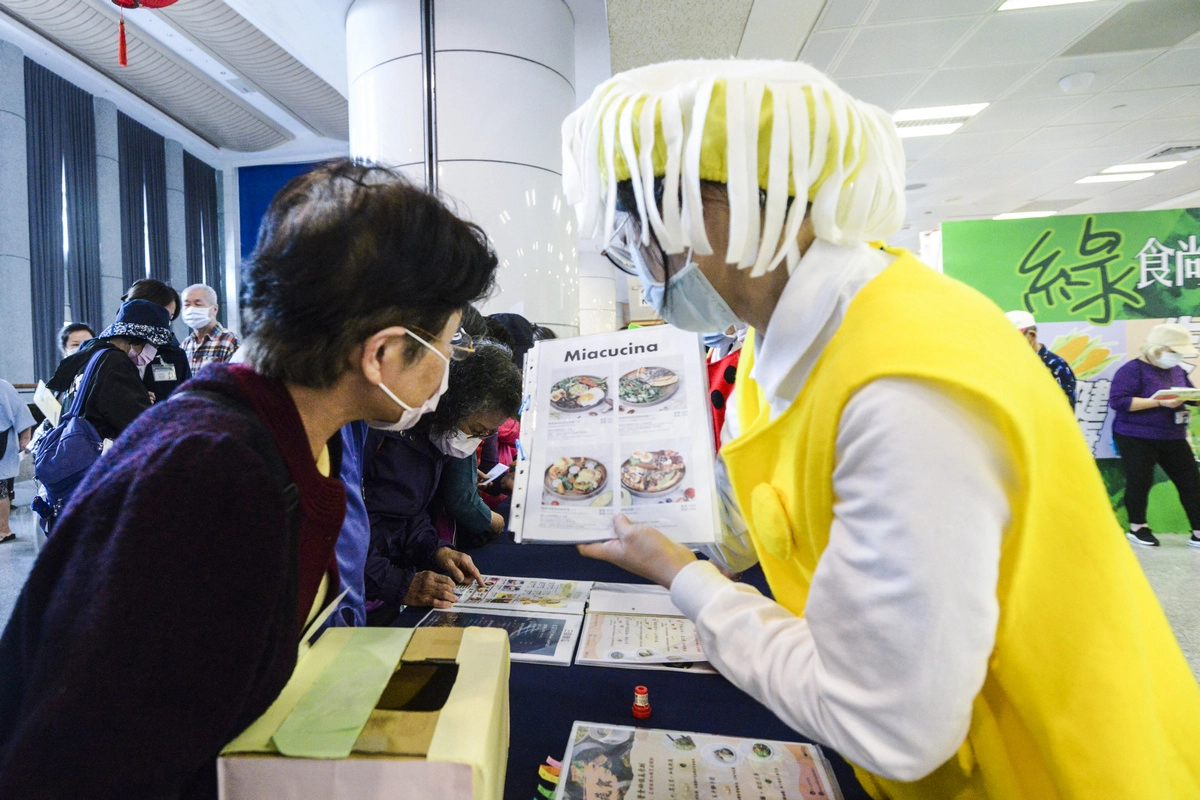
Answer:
(122, 58)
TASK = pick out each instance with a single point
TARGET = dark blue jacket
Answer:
(401, 472)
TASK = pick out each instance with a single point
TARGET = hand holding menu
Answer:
(616, 423)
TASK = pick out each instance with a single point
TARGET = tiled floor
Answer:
(1173, 570)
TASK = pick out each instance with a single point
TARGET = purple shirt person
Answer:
(1150, 429)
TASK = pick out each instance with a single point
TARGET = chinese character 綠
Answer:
(1092, 276)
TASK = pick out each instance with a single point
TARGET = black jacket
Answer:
(170, 357)
(117, 395)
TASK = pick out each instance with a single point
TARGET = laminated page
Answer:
(540, 595)
(648, 764)
(616, 423)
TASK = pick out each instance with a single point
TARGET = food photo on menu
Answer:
(653, 388)
(657, 475)
(576, 479)
(580, 394)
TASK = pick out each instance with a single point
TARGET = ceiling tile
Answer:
(1148, 134)
(646, 33)
(1179, 67)
(1008, 165)
(1123, 106)
(885, 91)
(906, 10)
(822, 47)
(1186, 106)
(1022, 114)
(980, 146)
(919, 147)
(842, 13)
(1064, 137)
(1030, 35)
(1108, 69)
(915, 45)
(1074, 191)
(948, 87)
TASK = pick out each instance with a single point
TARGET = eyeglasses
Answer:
(461, 343)
(625, 250)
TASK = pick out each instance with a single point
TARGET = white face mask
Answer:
(196, 318)
(457, 444)
(1168, 359)
(411, 414)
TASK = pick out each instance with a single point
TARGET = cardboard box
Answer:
(381, 714)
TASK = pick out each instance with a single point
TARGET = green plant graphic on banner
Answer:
(1093, 268)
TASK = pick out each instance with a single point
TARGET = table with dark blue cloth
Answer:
(546, 699)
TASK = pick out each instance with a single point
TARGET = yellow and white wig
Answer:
(782, 127)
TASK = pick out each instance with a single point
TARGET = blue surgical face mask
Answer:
(688, 301)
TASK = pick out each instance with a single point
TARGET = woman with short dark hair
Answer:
(72, 335)
(164, 615)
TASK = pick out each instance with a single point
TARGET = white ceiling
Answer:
(1027, 149)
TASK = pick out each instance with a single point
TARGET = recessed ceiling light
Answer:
(1076, 81)
(1013, 5)
(939, 112)
(1144, 167)
(928, 130)
(1025, 215)
(1123, 176)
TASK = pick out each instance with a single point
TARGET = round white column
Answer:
(504, 76)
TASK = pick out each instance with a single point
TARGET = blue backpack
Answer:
(64, 455)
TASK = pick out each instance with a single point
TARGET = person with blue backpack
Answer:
(104, 393)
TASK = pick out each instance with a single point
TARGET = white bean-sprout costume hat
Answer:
(782, 127)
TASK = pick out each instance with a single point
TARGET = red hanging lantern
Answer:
(133, 4)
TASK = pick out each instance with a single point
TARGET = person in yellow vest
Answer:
(955, 609)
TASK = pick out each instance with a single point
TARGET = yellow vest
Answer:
(1087, 694)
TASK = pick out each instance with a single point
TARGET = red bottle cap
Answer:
(641, 702)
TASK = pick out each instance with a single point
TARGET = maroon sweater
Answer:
(164, 614)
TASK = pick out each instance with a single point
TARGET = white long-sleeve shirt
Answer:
(901, 614)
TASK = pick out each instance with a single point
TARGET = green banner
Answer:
(1093, 268)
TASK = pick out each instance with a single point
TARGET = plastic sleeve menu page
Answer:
(616, 423)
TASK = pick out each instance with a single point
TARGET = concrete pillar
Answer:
(231, 224)
(176, 224)
(597, 294)
(108, 191)
(504, 75)
(16, 314)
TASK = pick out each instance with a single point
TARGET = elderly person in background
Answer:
(916, 491)
(164, 615)
(72, 336)
(1151, 429)
(209, 342)
(1024, 322)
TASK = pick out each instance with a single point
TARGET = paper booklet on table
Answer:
(638, 627)
(1186, 393)
(616, 423)
(527, 595)
(651, 764)
(532, 636)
